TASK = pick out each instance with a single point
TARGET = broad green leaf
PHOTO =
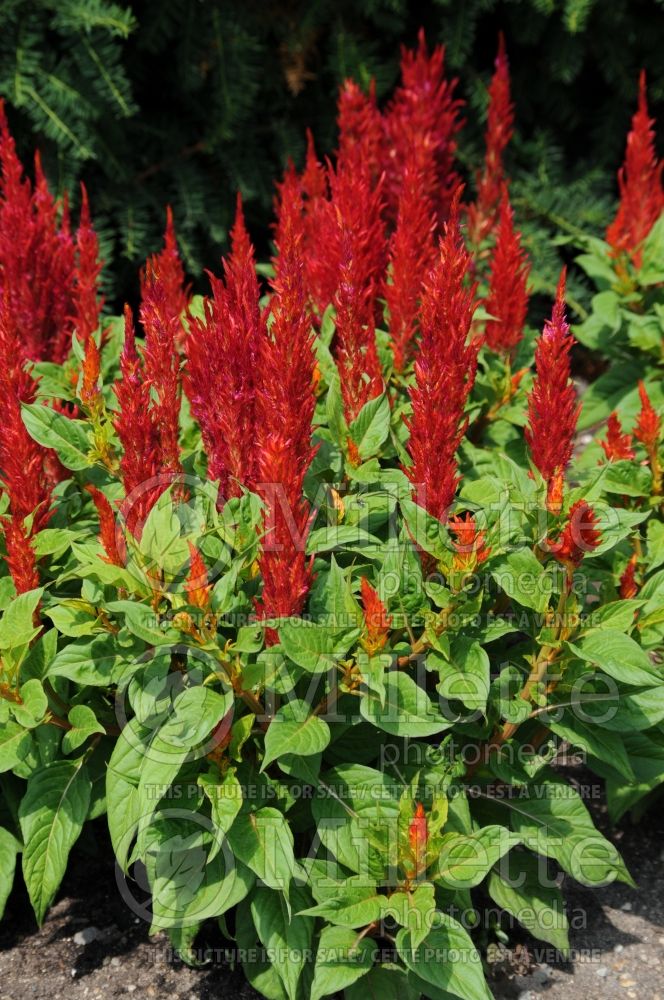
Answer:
(287, 936)
(341, 960)
(371, 427)
(291, 730)
(646, 757)
(68, 437)
(91, 662)
(225, 795)
(384, 982)
(33, 705)
(406, 711)
(465, 859)
(354, 904)
(620, 657)
(594, 740)
(9, 848)
(316, 648)
(51, 814)
(416, 911)
(15, 745)
(263, 841)
(521, 885)
(467, 677)
(122, 777)
(17, 626)
(522, 577)
(432, 961)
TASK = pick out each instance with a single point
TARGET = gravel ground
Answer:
(93, 946)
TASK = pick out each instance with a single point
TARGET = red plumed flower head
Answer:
(196, 586)
(110, 532)
(87, 302)
(470, 548)
(508, 285)
(377, 622)
(552, 407)
(649, 423)
(640, 185)
(617, 444)
(628, 584)
(579, 536)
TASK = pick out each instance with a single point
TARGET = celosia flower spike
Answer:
(412, 253)
(499, 130)
(140, 463)
(377, 622)
(285, 409)
(470, 548)
(360, 130)
(617, 444)
(507, 300)
(110, 534)
(552, 407)
(639, 184)
(444, 373)
(648, 431)
(168, 265)
(579, 537)
(423, 120)
(222, 351)
(87, 302)
(418, 836)
(196, 586)
(628, 584)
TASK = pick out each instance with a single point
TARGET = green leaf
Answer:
(17, 627)
(225, 795)
(15, 745)
(520, 886)
(465, 859)
(291, 730)
(340, 961)
(122, 777)
(34, 704)
(384, 982)
(432, 962)
(467, 677)
(51, 814)
(316, 648)
(371, 427)
(522, 577)
(551, 819)
(263, 841)
(619, 656)
(406, 711)
(646, 756)
(84, 723)
(9, 848)
(416, 911)
(355, 904)
(69, 438)
(91, 662)
(341, 536)
(285, 936)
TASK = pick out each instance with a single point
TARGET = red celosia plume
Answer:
(507, 300)
(168, 265)
(423, 119)
(639, 184)
(196, 586)
(222, 351)
(579, 536)
(360, 130)
(87, 302)
(470, 548)
(285, 408)
(444, 373)
(552, 406)
(482, 214)
(648, 424)
(110, 534)
(412, 253)
(628, 585)
(617, 444)
(377, 622)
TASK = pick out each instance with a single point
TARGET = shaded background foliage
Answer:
(186, 101)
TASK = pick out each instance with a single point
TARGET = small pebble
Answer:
(131, 988)
(619, 947)
(602, 972)
(87, 935)
(626, 906)
(115, 962)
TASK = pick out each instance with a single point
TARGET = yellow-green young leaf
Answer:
(16, 625)
(292, 731)
(68, 438)
(406, 711)
(340, 961)
(51, 815)
(447, 959)
(9, 848)
(413, 910)
(84, 723)
(521, 886)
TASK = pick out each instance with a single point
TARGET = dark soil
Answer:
(618, 940)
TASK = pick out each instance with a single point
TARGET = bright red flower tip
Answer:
(639, 184)
(470, 546)
(418, 833)
(628, 585)
(87, 301)
(196, 586)
(499, 130)
(579, 536)
(552, 407)
(649, 423)
(617, 444)
(377, 622)
(90, 394)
